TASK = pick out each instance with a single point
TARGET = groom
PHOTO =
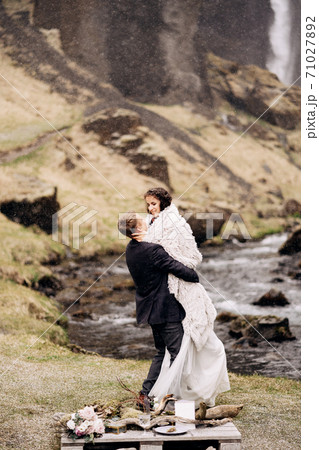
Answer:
(149, 265)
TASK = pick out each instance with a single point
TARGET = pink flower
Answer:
(87, 413)
(99, 426)
(78, 432)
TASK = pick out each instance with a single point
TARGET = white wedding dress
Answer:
(199, 372)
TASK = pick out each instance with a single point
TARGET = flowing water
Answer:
(281, 60)
(235, 275)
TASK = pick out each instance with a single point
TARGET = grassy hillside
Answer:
(246, 178)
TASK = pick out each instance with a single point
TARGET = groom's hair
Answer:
(127, 223)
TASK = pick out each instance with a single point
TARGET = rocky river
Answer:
(102, 317)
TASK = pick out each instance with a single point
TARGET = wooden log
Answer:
(222, 411)
(163, 404)
(169, 420)
(201, 412)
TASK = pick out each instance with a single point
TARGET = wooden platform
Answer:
(224, 437)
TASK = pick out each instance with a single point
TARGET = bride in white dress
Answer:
(199, 371)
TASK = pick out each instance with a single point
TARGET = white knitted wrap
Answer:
(172, 231)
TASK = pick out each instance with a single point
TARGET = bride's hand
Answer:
(139, 236)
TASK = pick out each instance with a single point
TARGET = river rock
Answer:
(277, 280)
(271, 328)
(292, 244)
(97, 294)
(226, 316)
(257, 328)
(255, 90)
(272, 298)
(33, 202)
(82, 314)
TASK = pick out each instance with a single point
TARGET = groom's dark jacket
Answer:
(149, 265)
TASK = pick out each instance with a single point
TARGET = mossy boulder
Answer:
(257, 328)
(254, 90)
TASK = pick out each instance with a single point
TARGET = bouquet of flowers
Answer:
(85, 424)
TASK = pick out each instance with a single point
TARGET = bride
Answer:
(199, 371)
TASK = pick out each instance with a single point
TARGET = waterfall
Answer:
(281, 59)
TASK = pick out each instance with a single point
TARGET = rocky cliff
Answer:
(236, 30)
(145, 49)
(155, 50)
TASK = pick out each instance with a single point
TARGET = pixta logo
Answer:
(69, 226)
(172, 224)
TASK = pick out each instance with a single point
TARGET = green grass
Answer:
(23, 252)
(41, 376)
(51, 379)
(264, 231)
(270, 418)
(22, 135)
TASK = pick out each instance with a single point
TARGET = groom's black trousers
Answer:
(166, 335)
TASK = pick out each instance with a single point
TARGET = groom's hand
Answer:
(163, 261)
(139, 236)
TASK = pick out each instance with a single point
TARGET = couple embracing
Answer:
(190, 362)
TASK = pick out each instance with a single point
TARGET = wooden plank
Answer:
(151, 445)
(69, 444)
(229, 446)
(227, 434)
(73, 447)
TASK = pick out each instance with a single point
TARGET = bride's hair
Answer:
(161, 194)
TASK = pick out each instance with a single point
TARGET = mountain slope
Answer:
(213, 162)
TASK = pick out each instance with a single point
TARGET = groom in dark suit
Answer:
(149, 265)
